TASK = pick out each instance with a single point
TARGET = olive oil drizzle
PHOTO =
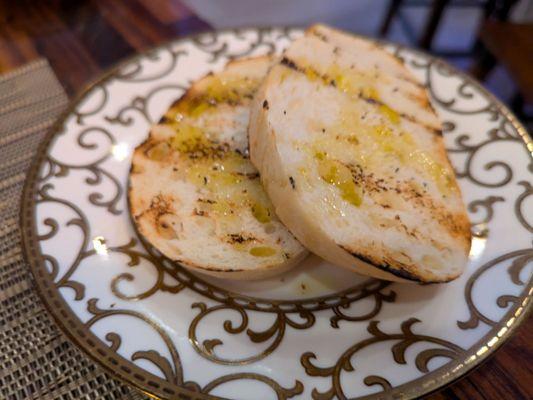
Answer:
(224, 176)
(383, 137)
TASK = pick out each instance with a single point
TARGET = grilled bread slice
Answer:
(195, 195)
(350, 152)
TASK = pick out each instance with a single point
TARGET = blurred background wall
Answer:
(362, 16)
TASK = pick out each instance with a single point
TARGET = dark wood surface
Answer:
(82, 38)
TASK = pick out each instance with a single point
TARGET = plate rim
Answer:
(129, 372)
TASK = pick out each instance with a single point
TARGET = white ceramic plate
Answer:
(317, 332)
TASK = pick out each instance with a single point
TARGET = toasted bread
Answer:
(195, 195)
(351, 154)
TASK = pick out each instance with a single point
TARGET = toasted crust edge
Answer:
(235, 274)
(261, 143)
(278, 188)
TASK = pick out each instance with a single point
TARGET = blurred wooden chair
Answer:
(510, 45)
(498, 9)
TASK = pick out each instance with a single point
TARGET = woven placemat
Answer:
(36, 360)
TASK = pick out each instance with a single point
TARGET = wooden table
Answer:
(82, 38)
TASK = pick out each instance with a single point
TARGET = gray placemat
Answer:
(36, 360)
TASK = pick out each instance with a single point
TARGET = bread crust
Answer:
(192, 190)
(397, 210)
